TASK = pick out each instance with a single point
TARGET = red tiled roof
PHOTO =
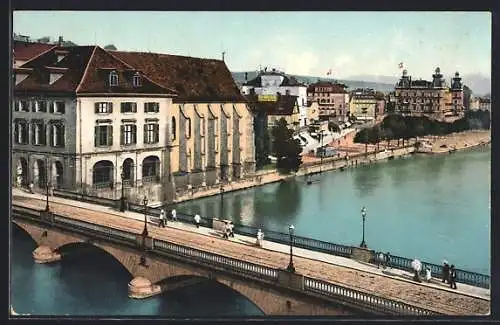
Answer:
(26, 51)
(38, 81)
(194, 79)
(283, 106)
(88, 69)
(96, 77)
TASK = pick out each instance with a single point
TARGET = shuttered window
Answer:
(151, 133)
(103, 135)
(103, 108)
(128, 134)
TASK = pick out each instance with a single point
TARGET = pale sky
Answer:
(304, 43)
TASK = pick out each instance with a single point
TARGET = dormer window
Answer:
(113, 79)
(136, 80)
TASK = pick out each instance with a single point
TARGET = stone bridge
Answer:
(162, 273)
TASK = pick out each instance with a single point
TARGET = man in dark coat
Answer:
(446, 272)
(453, 277)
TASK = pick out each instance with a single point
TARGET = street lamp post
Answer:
(122, 199)
(145, 230)
(47, 192)
(290, 267)
(47, 184)
(221, 201)
(363, 215)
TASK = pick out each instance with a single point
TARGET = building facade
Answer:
(363, 105)
(267, 110)
(332, 98)
(275, 82)
(429, 98)
(99, 121)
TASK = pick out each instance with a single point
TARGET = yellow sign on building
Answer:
(267, 98)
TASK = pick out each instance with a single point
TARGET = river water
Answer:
(426, 207)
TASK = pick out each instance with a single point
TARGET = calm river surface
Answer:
(420, 207)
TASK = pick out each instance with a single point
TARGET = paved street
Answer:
(396, 284)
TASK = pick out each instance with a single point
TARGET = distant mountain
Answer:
(480, 84)
(239, 78)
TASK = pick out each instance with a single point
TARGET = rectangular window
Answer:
(128, 134)
(103, 135)
(22, 106)
(59, 107)
(128, 107)
(151, 133)
(202, 126)
(151, 107)
(104, 108)
(21, 132)
(57, 135)
(38, 134)
(41, 106)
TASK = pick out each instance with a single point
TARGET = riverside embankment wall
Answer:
(271, 176)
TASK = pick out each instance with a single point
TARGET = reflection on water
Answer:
(417, 200)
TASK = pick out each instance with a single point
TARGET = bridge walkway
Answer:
(466, 300)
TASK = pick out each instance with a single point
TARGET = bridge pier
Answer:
(140, 288)
(45, 254)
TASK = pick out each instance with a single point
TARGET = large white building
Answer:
(90, 120)
(274, 82)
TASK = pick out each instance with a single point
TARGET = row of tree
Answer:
(406, 127)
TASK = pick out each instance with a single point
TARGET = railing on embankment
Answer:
(335, 292)
(403, 263)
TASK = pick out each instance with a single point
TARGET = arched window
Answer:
(174, 128)
(151, 169)
(113, 78)
(188, 128)
(128, 172)
(102, 174)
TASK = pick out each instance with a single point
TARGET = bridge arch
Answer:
(72, 248)
(17, 227)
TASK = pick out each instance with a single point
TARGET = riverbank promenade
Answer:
(390, 283)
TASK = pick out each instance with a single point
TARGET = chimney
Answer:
(60, 41)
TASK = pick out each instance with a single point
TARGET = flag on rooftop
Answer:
(400, 65)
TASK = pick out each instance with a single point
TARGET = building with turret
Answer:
(430, 98)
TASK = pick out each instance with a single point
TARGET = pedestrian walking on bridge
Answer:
(197, 220)
(446, 272)
(174, 215)
(453, 277)
(260, 237)
(162, 219)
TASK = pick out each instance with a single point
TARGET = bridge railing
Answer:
(337, 292)
(363, 299)
(229, 263)
(467, 277)
(85, 198)
(463, 276)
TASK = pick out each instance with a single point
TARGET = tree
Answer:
(375, 136)
(45, 39)
(110, 47)
(287, 149)
(333, 127)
